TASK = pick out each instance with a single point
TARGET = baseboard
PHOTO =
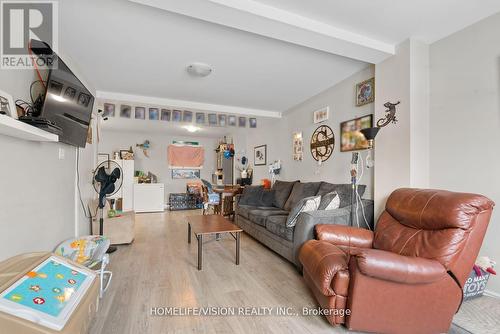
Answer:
(491, 293)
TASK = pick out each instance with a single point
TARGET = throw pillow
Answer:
(267, 198)
(251, 195)
(299, 191)
(304, 205)
(282, 190)
(330, 201)
(344, 191)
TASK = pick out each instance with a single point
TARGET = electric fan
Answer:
(107, 180)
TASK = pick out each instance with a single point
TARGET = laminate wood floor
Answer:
(159, 270)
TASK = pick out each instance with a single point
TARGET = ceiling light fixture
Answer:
(199, 69)
(191, 128)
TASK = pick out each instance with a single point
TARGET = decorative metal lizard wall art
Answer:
(390, 114)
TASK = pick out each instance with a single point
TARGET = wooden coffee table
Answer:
(212, 224)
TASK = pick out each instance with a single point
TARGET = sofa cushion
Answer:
(257, 196)
(244, 210)
(282, 190)
(277, 226)
(304, 205)
(259, 216)
(251, 195)
(267, 198)
(344, 191)
(300, 191)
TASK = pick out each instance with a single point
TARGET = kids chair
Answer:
(89, 251)
(210, 197)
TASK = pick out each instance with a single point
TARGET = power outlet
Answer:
(61, 153)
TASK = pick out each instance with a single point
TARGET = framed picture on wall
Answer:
(351, 138)
(185, 174)
(125, 111)
(321, 115)
(260, 155)
(298, 146)
(222, 120)
(154, 114)
(165, 115)
(252, 122)
(200, 118)
(187, 116)
(365, 92)
(109, 110)
(212, 119)
(140, 113)
(231, 120)
(242, 122)
(176, 116)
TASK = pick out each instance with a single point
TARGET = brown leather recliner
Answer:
(407, 277)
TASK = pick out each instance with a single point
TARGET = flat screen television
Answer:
(69, 104)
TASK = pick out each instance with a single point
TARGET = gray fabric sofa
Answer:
(263, 214)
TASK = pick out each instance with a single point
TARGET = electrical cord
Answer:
(36, 103)
(360, 167)
(89, 215)
(31, 88)
(30, 51)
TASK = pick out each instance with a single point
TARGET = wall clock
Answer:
(322, 143)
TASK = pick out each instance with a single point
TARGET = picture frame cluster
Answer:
(175, 115)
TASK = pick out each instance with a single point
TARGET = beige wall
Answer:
(465, 119)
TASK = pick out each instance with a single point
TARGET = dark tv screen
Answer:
(68, 103)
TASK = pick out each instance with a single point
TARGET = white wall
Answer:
(392, 144)
(37, 190)
(277, 135)
(341, 99)
(270, 132)
(420, 110)
(157, 164)
(465, 119)
(402, 149)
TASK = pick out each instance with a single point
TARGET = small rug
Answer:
(480, 315)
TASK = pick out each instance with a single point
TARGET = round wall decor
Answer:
(322, 143)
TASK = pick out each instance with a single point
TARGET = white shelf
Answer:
(14, 128)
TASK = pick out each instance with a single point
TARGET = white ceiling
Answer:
(133, 49)
(393, 21)
(267, 55)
